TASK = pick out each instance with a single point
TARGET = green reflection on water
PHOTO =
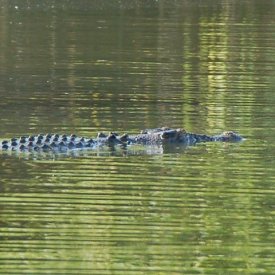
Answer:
(82, 67)
(160, 213)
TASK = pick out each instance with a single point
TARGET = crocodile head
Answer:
(229, 136)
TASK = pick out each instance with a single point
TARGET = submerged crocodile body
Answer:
(157, 136)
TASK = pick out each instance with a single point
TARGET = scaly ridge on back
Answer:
(156, 136)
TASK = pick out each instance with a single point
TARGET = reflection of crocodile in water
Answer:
(64, 143)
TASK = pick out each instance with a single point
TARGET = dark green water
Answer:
(88, 66)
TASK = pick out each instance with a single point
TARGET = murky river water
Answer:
(88, 66)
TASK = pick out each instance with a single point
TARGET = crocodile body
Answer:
(157, 136)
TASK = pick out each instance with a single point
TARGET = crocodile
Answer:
(156, 136)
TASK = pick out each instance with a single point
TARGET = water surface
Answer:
(88, 66)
